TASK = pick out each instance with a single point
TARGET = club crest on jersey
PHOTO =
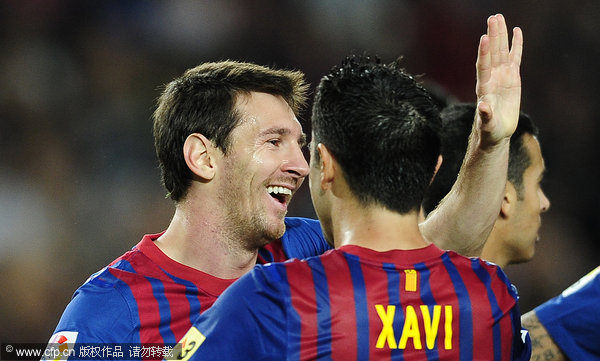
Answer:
(60, 346)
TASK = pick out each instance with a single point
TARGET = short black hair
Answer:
(457, 123)
(382, 127)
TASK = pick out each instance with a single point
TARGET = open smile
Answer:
(281, 194)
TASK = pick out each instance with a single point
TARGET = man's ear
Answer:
(328, 168)
(509, 200)
(198, 153)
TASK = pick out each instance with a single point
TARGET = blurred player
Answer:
(515, 231)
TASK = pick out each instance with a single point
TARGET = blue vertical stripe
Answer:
(464, 306)
(158, 290)
(517, 345)
(294, 328)
(427, 298)
(485, 278)
(323, 307)
(394, 288)
(360, 306)
(191, 294)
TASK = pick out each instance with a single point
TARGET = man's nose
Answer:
(544, 202)
(296, 163)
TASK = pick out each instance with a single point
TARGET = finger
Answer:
(502, 39)
(494, 41)
(516, 51)
(483, 65)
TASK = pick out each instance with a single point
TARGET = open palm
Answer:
(498, 81)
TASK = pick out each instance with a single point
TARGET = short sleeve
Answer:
(98, 313)
(303, 238)
(573, 318)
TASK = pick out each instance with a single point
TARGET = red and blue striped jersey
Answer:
(144, 297)
(354, 303)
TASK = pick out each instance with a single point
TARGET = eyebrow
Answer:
(283, 131)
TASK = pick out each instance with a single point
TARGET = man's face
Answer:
(263, 168)
(526, 219)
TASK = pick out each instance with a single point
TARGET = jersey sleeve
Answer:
(97, 313)
(247, 322)
(303, 238)
(573, 318)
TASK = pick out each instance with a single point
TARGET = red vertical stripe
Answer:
(303, 299)
(148, 311)
(275, 248)
(444, 294)
(483, 320)
(343, 318)
(506, 301)
(376, 285)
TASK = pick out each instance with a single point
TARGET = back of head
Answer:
(457, 123)
(382, 127)
(203, 101)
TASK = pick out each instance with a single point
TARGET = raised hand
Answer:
(498, 82)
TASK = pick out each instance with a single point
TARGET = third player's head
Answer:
(515, 232)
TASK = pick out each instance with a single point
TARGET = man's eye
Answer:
(275, 142)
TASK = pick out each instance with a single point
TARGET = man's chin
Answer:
(276, 225)
(274, 230)
(278, 233)
(526, 256)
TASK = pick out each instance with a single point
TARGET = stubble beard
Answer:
(254, 231)
(249, 226)
(247, 223)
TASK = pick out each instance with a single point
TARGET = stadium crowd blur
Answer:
(79, 183)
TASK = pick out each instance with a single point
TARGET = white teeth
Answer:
(279, 190)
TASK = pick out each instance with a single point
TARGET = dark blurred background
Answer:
(79, 182)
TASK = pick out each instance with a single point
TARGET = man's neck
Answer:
(495, 250)
(198, 238)
(375, 227)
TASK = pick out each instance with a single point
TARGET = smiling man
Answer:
(229, 147)
(241, 193)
